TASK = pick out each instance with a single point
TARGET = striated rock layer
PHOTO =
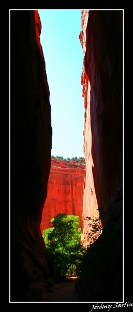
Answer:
(65, 191)
(31, 137)
(102, 79)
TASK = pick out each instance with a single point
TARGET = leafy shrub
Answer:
(78, 160)
(63, 246)
(50, 281)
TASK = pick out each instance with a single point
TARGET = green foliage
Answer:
(63, 245)
(50, 281)
(77, 160)
(60, 157)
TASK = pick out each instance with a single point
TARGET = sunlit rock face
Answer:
(102, 79)
(30, 156)
(102, 91)
(65, 191)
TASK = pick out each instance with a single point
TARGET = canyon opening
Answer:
(45, 187)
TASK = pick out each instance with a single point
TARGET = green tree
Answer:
(63, 245)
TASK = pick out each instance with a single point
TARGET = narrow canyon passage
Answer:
(63, 292)
(101, 277)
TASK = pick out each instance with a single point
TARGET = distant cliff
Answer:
(65, 190)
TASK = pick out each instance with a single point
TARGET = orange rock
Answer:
(65, 191)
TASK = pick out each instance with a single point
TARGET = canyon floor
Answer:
(63, 292)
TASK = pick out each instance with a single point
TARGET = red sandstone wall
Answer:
(65, 191)
(102, 91)
(31, 156)
(90, 204)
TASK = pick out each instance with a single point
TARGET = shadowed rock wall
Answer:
(102, 80)
(103, 102)
(30, 156)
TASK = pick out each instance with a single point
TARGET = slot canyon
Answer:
(34, 175)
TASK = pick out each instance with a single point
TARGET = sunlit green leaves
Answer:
(63, 243)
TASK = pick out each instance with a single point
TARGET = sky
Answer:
(64, 59)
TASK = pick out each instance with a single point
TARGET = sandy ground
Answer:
(63, 292)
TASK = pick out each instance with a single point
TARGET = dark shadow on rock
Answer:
(105, 283)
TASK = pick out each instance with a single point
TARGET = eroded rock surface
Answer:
(65, 191)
